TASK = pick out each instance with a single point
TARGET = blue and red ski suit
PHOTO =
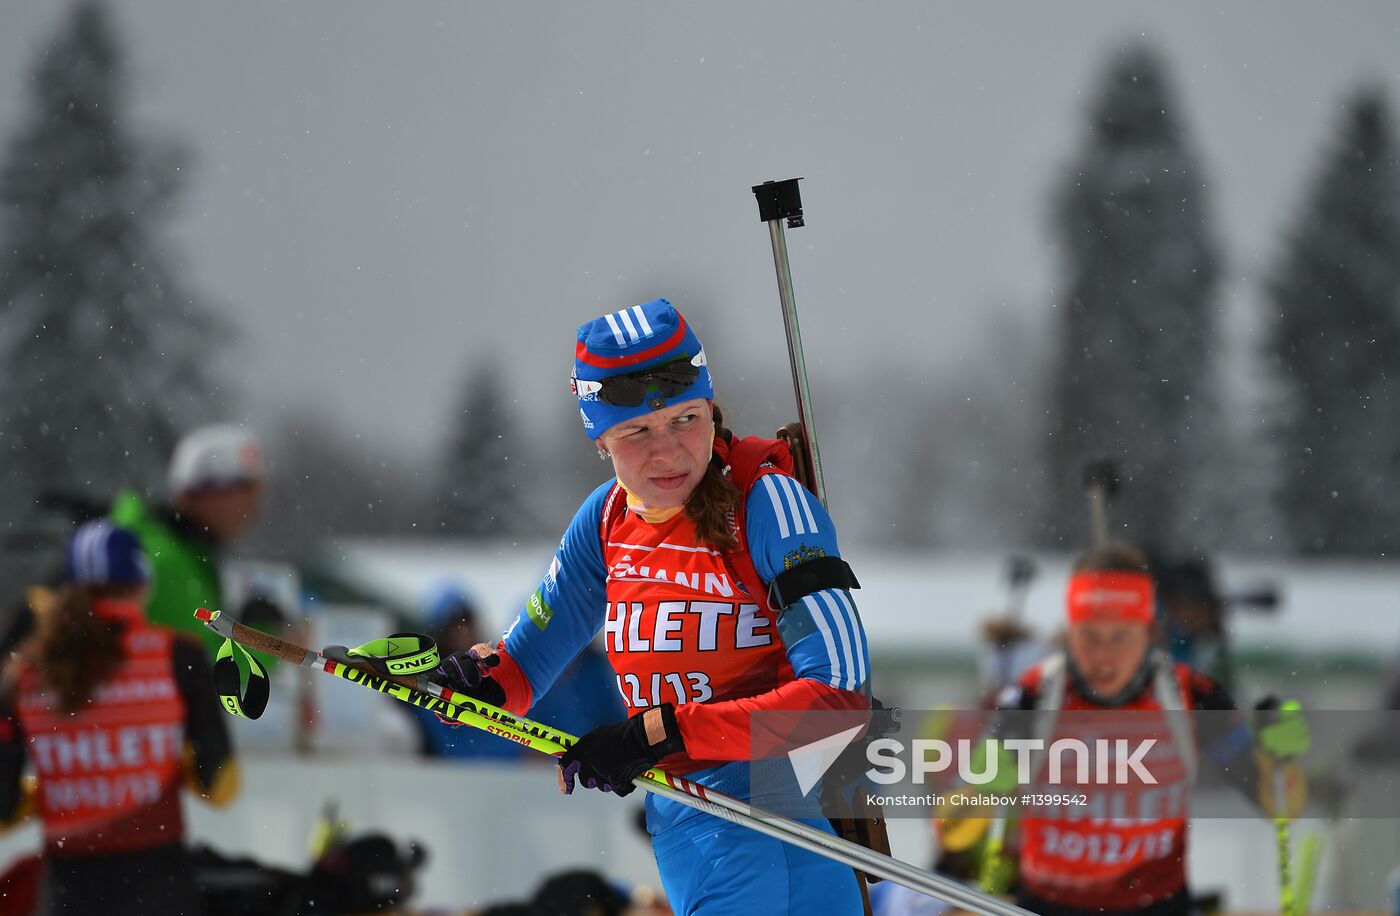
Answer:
(679, 628)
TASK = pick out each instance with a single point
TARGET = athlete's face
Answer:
(1108, 654)
(224, 512)
(661, 457)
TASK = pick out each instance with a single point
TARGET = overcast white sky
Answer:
(385, 192)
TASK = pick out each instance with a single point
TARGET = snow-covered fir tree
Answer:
(481, 489)
(103, 350)
(1334, 347)
(1132, 377)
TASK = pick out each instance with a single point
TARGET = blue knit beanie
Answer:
(632, 340)
(103, 554)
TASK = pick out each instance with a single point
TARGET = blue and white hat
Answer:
(103, 554)
(634, 340)
(219, 455)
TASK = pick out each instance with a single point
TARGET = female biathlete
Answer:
(114, 715)
(655, 560)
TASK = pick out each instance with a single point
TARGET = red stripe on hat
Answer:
(632, 359)
(1110, 596)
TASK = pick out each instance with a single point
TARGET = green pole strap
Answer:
(228, 681)
(399, 654)
(402, 654)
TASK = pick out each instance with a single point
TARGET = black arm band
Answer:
(792, 585)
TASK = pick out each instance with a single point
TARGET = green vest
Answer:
(184, 572)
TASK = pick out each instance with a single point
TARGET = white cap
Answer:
(214, 456)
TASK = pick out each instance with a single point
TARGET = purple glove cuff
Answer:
(570, 772)
(469, 674)
(466, 670)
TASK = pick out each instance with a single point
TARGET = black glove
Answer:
(468, 672)
(611, 756)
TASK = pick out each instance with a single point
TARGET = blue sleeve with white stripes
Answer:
(786, 525)
(567, 610)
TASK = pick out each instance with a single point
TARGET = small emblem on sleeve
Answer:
(801, 555)
(538, 609)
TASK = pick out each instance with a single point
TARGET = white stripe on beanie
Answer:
(100, 553)
(89, 552)
(627, 322)
(617, 331)
(82, 563)
(96, 547)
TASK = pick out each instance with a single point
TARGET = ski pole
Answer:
(1309, 859)
(419, 691)
(1283, 837)
(990, 868)
(1101, 482)
(1283, 834)
(1006, 634)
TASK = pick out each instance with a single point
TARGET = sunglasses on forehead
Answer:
(666, 380)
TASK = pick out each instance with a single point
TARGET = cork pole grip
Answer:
(255, 639)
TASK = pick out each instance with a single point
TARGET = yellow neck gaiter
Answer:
(657, 516)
